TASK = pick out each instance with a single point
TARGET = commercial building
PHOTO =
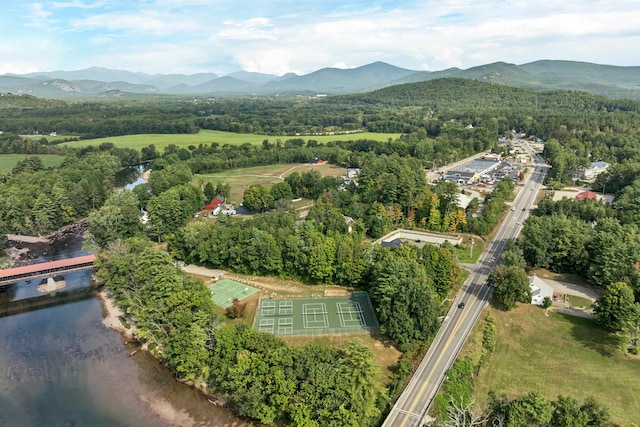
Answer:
(471, 172)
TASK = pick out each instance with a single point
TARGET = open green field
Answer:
(210, 136)
(558, 354)
(9, 161)
(268, 175)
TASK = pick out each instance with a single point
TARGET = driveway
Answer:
(572, 289)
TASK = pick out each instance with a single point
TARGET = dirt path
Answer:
(288, 170)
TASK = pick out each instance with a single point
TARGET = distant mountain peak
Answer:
(544, 74)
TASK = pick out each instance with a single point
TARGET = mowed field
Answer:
(210, 136)
(9, 161)
(239, 179)
(557, 354)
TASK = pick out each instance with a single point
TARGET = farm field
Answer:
(210, 136)
(558, 354)
(267, 175)
(9, 161)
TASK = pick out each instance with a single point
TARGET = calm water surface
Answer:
(59, 366)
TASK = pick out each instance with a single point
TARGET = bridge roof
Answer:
(33, 268)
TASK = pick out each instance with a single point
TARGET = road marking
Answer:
(496, 245)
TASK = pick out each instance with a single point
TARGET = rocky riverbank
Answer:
(77, 228)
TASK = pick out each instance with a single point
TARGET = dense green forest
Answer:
(441, 121)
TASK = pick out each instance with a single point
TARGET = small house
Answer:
(539, 290)
(587, 195)
(215, 205)
(595, 169)
(350, 223)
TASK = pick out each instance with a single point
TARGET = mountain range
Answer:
(607, 80)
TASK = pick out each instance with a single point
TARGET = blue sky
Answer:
(301, 36)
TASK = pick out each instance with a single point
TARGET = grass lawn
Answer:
(9, 161)
(557, 354)
(239, 179)
(209, 136)
(468, 253)
(579, 302)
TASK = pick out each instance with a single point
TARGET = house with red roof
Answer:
(215, 205)
(587, 195)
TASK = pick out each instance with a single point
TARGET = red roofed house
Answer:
(590, 195)
(215, 205)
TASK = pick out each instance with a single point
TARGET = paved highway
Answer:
(411, 408)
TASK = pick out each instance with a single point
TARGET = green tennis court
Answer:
(224, 291)
(317, 316)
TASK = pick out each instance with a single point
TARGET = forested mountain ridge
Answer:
(408, 108)
(607, 80)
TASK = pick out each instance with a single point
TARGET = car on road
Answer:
(461, 305)
(513, 208)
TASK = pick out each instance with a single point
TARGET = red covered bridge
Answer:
(26, 272)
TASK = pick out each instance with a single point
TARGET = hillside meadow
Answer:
(212, 136)
(557, 354)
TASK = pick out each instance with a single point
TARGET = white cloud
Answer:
(250, 29)
(281, 36)
(101, 40)
(75, 4)
(144, 22)
(38, 16)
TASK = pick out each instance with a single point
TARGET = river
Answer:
(60, 366)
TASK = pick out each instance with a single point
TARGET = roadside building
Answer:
(471, 172)
(539, 290)
(417, 238)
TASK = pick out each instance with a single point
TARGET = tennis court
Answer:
(317, 316)
(224, 291)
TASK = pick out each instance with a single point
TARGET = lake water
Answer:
(60, 366)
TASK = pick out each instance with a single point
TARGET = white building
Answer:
(539, 290)
(595, 169)
(464, 200)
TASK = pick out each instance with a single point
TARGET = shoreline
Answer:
(112, 313)
(111, 319)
